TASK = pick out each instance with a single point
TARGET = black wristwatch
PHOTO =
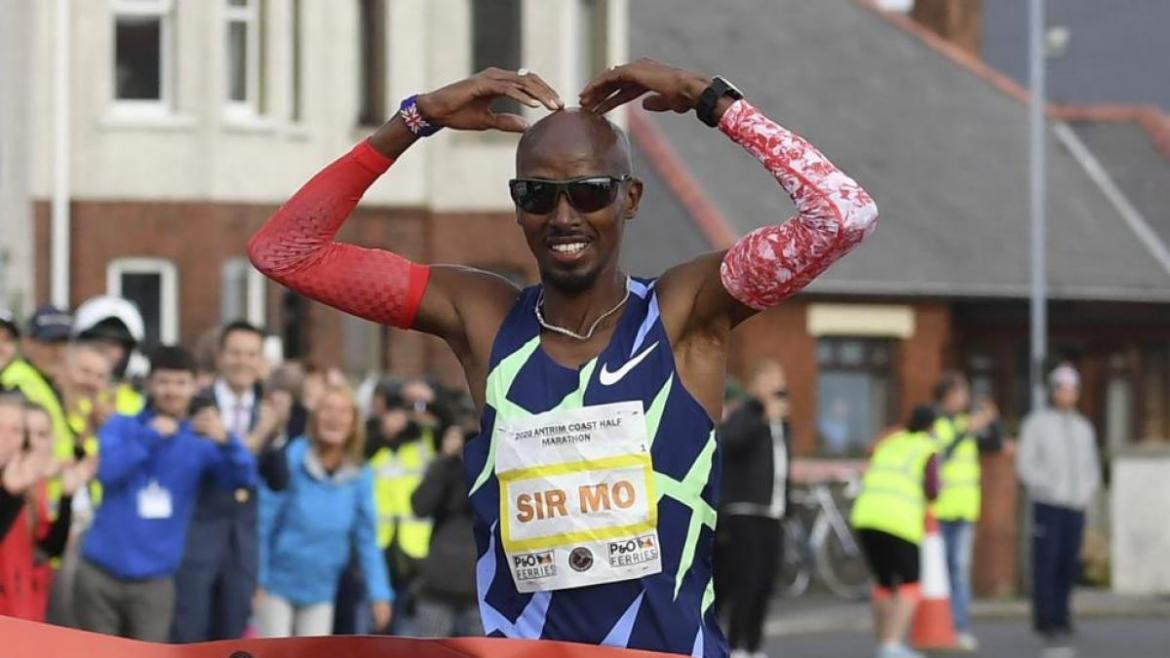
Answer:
(718, 88)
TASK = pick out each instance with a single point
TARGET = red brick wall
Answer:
(781, 334)
(199, 237)
(923, 356)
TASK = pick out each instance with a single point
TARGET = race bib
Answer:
(154, 502)
(577, 503)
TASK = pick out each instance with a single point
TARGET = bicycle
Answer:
(819, 541)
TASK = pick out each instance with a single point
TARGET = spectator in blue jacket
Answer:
(150, 469)
(308, 530)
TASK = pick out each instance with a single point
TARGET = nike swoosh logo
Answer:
(608, 378)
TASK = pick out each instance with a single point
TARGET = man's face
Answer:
(111, 349)
(1065, 396)
(11, 431)
(957, 399)
(770, 387)
(171, 391)
(239, 359)
(88, 371)
(573, 247)
(47, 355)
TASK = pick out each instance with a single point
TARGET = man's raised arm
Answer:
(771, 263)
(834, 214)
(296, 247)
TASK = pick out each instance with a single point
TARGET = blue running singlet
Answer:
(670, 611)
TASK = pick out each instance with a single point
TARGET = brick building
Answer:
(190, 122)
(940, 140)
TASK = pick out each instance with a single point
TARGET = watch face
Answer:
(732, 90)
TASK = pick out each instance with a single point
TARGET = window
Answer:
(242, 293)
(592, 42)
(372, 58)
(495, 41)
(856, 396)
(295, 113)
(1153, 387)
(242, 53)
(142, 54)
(362, 352)
(152, 285)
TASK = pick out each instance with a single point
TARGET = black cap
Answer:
(922, 418)
(50, 323)
(8, 320)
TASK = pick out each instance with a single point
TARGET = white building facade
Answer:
(190, 121)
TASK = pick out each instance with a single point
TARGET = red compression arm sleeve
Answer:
(772, 263)
(296, 249)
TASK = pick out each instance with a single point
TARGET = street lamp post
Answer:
(1039, 309)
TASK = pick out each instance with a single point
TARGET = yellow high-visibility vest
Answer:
(22, 376)
(960, 493)
(892, 499)
(127, 402)
(397, 473)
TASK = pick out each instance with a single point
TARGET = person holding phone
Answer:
(754, 495)
(151, 469)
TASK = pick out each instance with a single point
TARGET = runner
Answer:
(594, 478)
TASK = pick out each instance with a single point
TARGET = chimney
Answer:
(957, 21)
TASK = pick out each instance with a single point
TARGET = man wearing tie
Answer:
(216, 581)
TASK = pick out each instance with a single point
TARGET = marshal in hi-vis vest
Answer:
(959, 495)
(892, 499)
(397, 473)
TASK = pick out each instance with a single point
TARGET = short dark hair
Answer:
(234, 326)
(922, 418)
(171, 357)
(949, 381)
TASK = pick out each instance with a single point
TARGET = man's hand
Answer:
(100, 413)
(268, 422)
(670, 88)
(164, 425)
(26, 468)
(75, 476)
(209, 424)
(464, 105)
(383, 614)
(257, 599)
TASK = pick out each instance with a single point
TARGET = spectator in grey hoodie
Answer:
(1057, 462)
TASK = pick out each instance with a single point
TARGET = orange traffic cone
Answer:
(933, 626)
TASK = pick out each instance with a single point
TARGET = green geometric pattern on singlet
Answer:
(669, 611)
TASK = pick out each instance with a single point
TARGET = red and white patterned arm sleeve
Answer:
(772, 263)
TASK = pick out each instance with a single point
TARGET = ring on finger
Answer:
(522, 72)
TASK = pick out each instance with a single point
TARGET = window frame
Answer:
(592, 18)
(372, 108)
(890, 371)
(250, 16)
(296, 58)
(500, 104)
(168, 322)
(164, 10)
(255, 302)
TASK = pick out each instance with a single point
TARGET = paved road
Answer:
(1097, 638)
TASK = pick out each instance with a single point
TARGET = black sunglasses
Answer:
(588, 194)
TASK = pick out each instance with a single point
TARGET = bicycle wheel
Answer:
(839, 561)
(794, 573)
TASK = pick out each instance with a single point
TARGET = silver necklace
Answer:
(569, 332)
